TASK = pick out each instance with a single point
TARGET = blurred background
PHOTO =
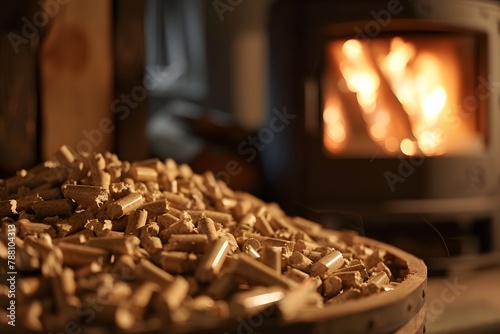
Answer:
(255, 91)
(183, 79)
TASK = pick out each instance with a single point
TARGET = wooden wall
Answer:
(76, 68)
(18, 88)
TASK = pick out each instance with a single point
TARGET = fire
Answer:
(408, 147)
(432, 104)
(413, 120)
(335, 126)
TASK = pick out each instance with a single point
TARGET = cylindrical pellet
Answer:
(75, 255)
(379, 279)
(315, 256)
(153, 163)
(358, 267)
(196, 243)
(76, 238)
(271, 257)
(141, 296)
(74, 223)
(241, 208)
(65, 156)
(332, 285)
(26, 227)
(381, 266)
(156, 208)
(166, 220)
(88, 270)
(151, 229)
(255, 272)
(48, 193)
(286, 245)
(211, 263)
(119, 189)
(178, 201)
(143, 173)
(207, 226)
(213, 189)
(116, 245)
(263, 227)
(246, 224)
(125, 205)
(42, 243)
(152, 244)
(146, 270)
(255, 300)
(116, 315)
(124, 268)
(178, 262)
(327, 264)
(104, 180)
(251, 247)
(233, 244)
(171, 297)
(302, 245)
(296, 275)
(86, 196)
(219, 217)
(176, 212)
(15, 182)
(183, 226)
(222, 287)
(136, 220)
(300, 261)
(26, 203)
(350, 279)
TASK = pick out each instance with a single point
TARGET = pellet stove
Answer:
(397, 133)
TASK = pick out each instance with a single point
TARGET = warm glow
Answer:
(399, 56)
(378, 131)
(429, 142)
(360, 81)
(391, 144)
(352, 48)
(402, 89)
(379, 126)
(408, 147)
(334, 126)
(433, 104)
(336, 132)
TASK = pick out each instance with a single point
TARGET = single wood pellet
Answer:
(154, 243)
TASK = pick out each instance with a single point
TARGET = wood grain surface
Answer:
(77, 78)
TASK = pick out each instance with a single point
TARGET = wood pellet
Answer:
(153, 244)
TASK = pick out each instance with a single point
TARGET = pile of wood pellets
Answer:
(151, 244)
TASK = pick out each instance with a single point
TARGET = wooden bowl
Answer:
(379, 313)
(399, 311)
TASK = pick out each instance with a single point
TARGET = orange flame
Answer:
(418, 79)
